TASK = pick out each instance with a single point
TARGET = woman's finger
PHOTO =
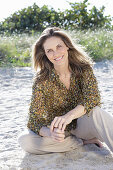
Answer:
(52, 124)
(64, 126)
(59, 135)
(56, 124)
(57, 130)
(60, 125)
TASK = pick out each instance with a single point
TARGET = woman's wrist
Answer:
(77, 112)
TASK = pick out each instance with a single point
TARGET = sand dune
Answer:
(15, 96)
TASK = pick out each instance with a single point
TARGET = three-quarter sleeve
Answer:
(90, 95)
(37, 110)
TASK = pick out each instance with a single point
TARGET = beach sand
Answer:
(15, 94)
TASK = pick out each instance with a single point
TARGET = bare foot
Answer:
(94, 141)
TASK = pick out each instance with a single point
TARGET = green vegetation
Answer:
(90, 28)
(98, 43)
(34, 18)
(15, 50)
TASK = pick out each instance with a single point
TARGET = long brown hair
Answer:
(78, 59)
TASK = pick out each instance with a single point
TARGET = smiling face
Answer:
(56, 51)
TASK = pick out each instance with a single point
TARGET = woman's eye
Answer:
(49, 51)
(59, 46)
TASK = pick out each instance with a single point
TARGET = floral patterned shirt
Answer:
(51, 98)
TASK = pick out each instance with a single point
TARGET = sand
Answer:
(15, 94)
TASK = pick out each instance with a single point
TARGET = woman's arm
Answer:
(90, 95)
(37, 111)
(38, 116)
(89, 98)
(77, 112)
(62, 121)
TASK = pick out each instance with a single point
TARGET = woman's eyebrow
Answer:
(48, 49)
(59, 44)
(56, 46)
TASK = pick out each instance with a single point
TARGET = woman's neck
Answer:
(63, 71)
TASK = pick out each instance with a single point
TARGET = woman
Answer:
(65, 105)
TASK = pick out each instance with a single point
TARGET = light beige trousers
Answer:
(99, 124)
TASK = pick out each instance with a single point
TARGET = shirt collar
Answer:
(54, 75)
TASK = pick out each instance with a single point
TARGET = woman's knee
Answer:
(96, 109)
(99, 114)
(32, 143)
(24, 141)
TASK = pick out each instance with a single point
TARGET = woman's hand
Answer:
(56, 134)
(61, 122)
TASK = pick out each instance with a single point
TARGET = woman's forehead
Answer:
(52, 41)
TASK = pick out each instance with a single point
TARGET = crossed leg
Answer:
(95, 128)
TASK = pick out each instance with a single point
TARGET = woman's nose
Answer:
(55, 53)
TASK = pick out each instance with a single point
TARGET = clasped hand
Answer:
(57, 134)
(58, 126)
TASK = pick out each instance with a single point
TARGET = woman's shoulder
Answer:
(87, 70)
(45, 83)
(86, 73)
(41, 85)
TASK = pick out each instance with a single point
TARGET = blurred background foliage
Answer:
(34, 18)
(90, 28)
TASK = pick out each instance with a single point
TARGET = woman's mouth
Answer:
(58, 58)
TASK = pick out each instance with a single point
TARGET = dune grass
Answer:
(16, 49)
(98, 43)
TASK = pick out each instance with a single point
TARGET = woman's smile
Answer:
(59, 58)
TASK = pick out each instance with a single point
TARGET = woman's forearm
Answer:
(77, 112)
(62, 121)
